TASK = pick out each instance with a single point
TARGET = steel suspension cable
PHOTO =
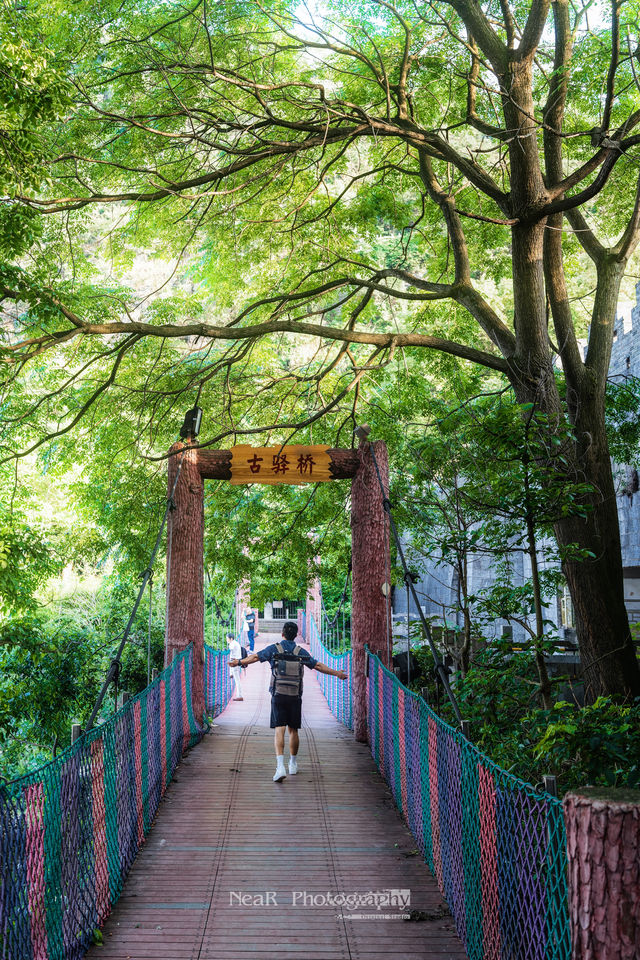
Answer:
(441, 673)
(149, 630)
(330, 623)
(115, 665)
(333, 620)
(225, 621)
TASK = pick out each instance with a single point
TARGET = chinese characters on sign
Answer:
(291, 464)
(280, 463)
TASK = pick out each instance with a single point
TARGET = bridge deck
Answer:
(225, 827)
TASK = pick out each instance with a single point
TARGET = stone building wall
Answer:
(437, 588)
(625, 362)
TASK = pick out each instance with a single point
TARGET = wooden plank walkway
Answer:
(224, 829)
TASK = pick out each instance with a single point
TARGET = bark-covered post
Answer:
(301, 632)
(371, 569)
(313, 607)
(603, 847)
(185, 576)
(243, 599)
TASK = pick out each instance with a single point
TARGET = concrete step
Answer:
(272, 626)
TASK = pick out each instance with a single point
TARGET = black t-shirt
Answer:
(251, 619)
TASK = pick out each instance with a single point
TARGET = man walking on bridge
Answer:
(287, 659)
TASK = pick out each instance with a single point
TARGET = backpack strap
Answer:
(297, 650)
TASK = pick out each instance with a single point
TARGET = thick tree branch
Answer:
(628, 242)
(429, 141)
(613, 65)
(533, 29)
(610, 152)
(478, 26)
(463, 291)
(603, 318)
(585, 235)
(254, 331)
(553, 254)
(488, 129)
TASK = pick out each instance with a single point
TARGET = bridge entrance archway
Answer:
(371, 565)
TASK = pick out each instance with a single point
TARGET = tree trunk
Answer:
(603, 847)
(596, 584)
(371, 568)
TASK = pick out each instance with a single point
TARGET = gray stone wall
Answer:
(625, 354)
(625, 362)
(436, 587)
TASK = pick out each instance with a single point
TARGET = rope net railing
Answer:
(218, 682)
(70, 830)
(496, 845)
(337, 692)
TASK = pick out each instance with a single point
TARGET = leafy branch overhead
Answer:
(270, 200)
(271, 122)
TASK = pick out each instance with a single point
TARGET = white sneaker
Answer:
(293, 765)
(280, 774)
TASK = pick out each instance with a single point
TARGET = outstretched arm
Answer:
(323, 668)
(245, 661)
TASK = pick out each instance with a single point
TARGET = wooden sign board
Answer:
(289, 464)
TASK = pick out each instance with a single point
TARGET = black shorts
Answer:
(286, 711)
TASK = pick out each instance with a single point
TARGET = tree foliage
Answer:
(305, 216)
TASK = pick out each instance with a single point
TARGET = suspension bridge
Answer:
(159, 834)
(225, 864)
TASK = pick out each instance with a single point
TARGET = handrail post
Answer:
(370, 575)
(603, 848)
(185, 575)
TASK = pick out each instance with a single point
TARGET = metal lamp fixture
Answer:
(191, 425)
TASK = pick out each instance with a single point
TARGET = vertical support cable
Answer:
(149, 631)
(408, 635)
(115, 663)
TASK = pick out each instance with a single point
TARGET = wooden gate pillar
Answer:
(313, 607)
(185, 577)
(603, 847)
(243, 599)
(371, 570)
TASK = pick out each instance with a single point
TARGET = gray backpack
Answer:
(286, 672)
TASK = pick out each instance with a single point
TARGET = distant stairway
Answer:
(271, 626)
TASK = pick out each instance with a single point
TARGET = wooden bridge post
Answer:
(185, 577)
(371, 570)
(603, 847)
(313, 608)
(243, 598)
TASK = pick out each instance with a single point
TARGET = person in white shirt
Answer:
(244, 629)
(235, 652)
